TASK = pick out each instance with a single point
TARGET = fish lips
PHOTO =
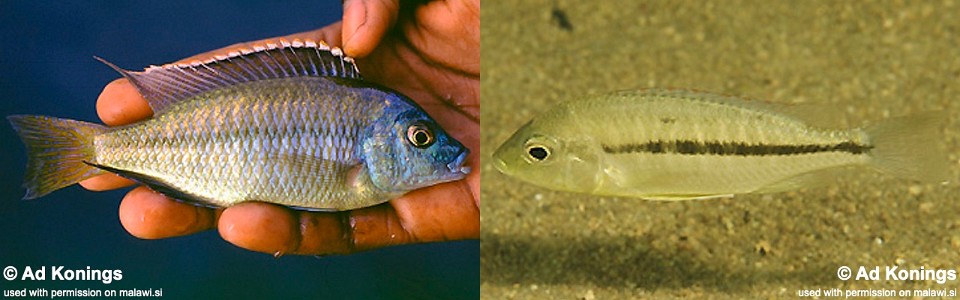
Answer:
(456, 166)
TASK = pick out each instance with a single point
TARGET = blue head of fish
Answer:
(407, 150)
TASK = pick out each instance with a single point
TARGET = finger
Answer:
(150, 215)
(448, 33)
(329, 34)
(260, 227)
(106, 182)
(375, 227)
(326, 233)
(350, 231)
(439, 213)
(121, 104)
(365, 22)
(276, 230)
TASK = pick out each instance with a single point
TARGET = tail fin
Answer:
(911, 147)
(56, 150)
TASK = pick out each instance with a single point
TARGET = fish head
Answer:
(550, 157)
(411, 151)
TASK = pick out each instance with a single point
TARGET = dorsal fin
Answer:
(820, 115)
(165, 85)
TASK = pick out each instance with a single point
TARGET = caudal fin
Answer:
(56, 150)
(911, 147)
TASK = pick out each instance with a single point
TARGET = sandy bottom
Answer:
(868, 61)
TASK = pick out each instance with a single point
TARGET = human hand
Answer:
(431, 53)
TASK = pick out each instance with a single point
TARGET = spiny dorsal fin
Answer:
(820, 115)
(165, 85)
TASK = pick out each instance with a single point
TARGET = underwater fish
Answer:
(290, 123)
(677, 145)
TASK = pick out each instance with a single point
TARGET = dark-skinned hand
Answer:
(429, 52)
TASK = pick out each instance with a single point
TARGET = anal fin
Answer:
(811, 179)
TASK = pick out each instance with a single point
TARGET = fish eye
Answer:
(538, 153)
(420, 135)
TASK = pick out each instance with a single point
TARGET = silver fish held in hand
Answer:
(290, 123)
(678, 145)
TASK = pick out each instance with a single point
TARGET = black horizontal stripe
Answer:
(732, 148)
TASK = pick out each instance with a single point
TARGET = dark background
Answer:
(46, 67)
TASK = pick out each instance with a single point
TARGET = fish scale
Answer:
(699, 120)
(257, 125)
(172, 147)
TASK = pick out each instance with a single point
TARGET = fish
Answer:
(674, 144)
(289, 122)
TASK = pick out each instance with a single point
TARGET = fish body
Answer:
(677, 145)
(290, 124)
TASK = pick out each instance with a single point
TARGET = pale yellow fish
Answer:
(676, 145)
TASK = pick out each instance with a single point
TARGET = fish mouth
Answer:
(456, 166)
(498, 162)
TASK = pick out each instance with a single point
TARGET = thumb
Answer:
(365, 22)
